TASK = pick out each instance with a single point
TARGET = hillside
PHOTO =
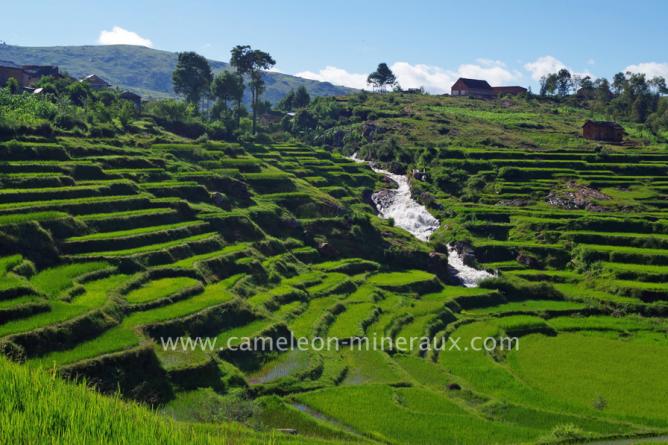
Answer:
(144, 70)
(109, 245)
(70, 413)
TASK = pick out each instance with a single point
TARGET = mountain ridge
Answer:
(144, 70)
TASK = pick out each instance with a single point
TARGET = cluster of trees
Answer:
(66, 104)
(195, 82)
(629, 96)
(295, 100)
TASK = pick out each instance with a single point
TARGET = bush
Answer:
(68, 122)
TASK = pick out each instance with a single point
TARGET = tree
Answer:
(192, 76)
(602, 91)
(227, 87)
(287, 103)
(302, 98)
(295, 99)
(618, 83)
(13, 86)
(381, 78)
(304, 121)
(240, 60)
(587, 83)
(548, 84)
(576, 82)
(250, 62)
(543, 85)
(78, 92)
(261, 61)
(586, 87)
(564, 82)
(658, 84)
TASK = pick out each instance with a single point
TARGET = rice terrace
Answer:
(203, 252)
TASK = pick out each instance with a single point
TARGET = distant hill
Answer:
(144, 70)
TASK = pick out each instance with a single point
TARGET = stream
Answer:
(413, 217)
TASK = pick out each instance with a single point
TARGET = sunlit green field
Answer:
(115, 244)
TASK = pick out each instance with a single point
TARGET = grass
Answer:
(95, 295)
(409, 415)
(35, 216)
(149, 248)
(530, 306)
(305, 324)
(8, 262)
(157, 289)
(125, 336)
(233, 337)
(400, 279)
(370, 366)
(350, 323)
(191, 261)
(134, 232)
(292, 238)
(53, 281)
(626, 374)
(36, 407)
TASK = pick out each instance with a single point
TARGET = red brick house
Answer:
(10, 70)
(481, 89)
(35, 72)
(472, 88)
(25, 75)
(603, 131)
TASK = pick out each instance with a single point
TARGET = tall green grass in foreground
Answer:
(36, 407)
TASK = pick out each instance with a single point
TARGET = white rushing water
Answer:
(469, 276)
(413, 217)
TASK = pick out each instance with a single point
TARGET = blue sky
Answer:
(427, 43)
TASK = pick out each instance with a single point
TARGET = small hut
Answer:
(95, 82)
(603, 131)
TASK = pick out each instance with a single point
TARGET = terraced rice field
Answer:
(104, 255)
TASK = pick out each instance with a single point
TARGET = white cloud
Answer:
(494, 72)
(337, 76)
(651, 69)
(543, 66)
(120, 36)
(433, 78)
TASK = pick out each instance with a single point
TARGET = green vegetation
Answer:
(161, 288)
(555, 366)
(28, 395)
(114, 242)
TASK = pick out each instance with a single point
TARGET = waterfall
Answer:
(413, 217)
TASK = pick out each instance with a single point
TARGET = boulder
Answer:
(438, 264)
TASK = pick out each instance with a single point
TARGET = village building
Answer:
(25, 75)
(510, 91)
(482, 90)
(472, 88)
(603, 131)
(10, 70)
(132, 97)
(95, 82)
(35, 72)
